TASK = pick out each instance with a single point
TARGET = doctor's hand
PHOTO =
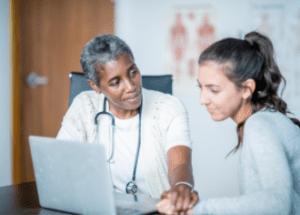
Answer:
(178, 200)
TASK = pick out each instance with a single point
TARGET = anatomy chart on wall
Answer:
(190, 29)
(292, 53)
(274, 20)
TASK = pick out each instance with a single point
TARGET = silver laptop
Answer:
(74, 177)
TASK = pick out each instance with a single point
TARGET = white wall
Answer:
(141, 24)
(5, 140)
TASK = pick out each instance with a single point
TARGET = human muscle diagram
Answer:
(190, 30)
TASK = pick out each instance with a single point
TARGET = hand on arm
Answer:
(181, 197)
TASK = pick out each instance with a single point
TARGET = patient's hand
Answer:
(179, 199)
(164, 206)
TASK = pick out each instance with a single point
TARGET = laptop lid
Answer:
(72, 176)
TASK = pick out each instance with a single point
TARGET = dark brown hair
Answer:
(252, 58)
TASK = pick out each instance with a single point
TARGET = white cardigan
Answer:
(158, 112)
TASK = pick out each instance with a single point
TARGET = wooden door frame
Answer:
(15, 91)
(17, 161)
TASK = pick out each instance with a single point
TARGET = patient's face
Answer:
(121, 83)
(218, 93)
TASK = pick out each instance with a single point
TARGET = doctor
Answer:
(149, 146)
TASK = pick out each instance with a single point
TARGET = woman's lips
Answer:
(209, 110)
(133, 98)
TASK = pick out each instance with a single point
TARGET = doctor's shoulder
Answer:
(164, 102)
(84, 102)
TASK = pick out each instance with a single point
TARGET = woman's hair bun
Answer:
(252, 39)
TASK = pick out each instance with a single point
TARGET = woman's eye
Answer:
(115, 83)
(214, 91)
(132, 73)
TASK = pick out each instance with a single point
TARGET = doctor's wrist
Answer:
(186, 183)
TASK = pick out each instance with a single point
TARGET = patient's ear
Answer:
(94, 86)
(248, 88)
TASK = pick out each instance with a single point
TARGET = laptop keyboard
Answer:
(122, 211)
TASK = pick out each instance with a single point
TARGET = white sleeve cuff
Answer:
(179, 132)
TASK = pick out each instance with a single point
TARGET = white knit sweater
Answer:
(158, 112)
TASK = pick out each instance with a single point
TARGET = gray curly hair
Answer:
(99, 51)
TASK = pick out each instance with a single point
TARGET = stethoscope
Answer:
(131, 187)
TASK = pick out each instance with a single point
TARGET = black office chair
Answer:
(162, 83)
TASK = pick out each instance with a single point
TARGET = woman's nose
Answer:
(129, 84)
(203, 98)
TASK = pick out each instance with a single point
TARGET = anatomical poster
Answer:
(280, 22)
(190, 29)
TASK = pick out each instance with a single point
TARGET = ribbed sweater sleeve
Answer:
(266, 177)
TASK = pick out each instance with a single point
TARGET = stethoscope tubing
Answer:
(112, 138)
(138, 147)
(113, 127)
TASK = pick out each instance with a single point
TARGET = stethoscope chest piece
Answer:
(131, 188)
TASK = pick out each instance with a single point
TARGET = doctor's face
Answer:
(220, 95)
(121, 83)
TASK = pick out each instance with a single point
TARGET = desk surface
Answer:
(23, 199)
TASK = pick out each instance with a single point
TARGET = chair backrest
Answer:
(162, 83)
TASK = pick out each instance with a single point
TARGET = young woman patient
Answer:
(240, 79)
